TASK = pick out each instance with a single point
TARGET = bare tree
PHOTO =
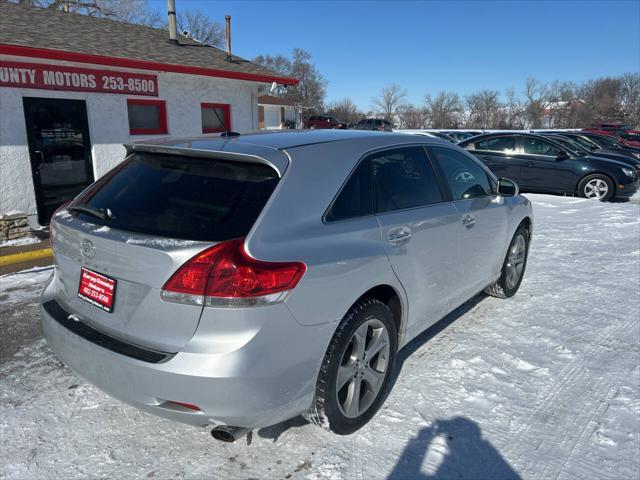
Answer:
(200, 27)
(278, 63)
(484, 109)
(130, 11)
(311, 90)
(345, 110)
(630, 98)
(411, 116)
(389, 102)
(513, 112)
(445, 110)
(535, 102)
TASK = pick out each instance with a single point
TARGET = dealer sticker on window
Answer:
(97, 289)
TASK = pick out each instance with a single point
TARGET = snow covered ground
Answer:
(18, 242)
(545, 385)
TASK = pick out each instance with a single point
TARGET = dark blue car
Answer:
(540, 164)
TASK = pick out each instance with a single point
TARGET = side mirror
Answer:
(562, 155)
(507, 188)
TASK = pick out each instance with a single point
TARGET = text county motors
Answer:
(56, 77)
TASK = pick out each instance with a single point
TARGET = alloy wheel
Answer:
(515, 261)
(596, 188)
(363, 368)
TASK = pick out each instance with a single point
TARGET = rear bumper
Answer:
(269, 379)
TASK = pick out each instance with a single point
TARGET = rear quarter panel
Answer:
(344, 259)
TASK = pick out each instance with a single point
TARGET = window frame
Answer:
(442, 185)
(226, 107)
(555, 145)
(162, 129)
(517, 139)
(491, 177)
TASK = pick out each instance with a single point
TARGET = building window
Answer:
(147, 117)
(216, 117)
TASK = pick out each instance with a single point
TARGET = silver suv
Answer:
(240, 282)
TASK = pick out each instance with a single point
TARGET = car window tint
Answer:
(355, 199)
(178, 197)
(481, 145)
(585, 142)
(535, 146)
(501, 144)
(466, 179)
(403, 178)
(607, 142)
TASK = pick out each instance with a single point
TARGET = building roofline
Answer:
(22, 51)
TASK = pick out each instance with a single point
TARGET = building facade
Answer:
(275, 113)
(68, 102)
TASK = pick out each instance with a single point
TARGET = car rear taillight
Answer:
(225, 275)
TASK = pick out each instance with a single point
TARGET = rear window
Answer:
(179, 197)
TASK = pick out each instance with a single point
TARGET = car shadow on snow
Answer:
(453, 448)
(410, 348)
(275, 431)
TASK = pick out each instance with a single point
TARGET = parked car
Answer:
(603, 142)
(323, 122)
(581, 151)
(631, 140)
(457, 135)
(621, 130)
(200, 283)
(541, 164)
(375, 124)
(444, 136)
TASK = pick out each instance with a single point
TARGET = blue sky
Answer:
(425, 47)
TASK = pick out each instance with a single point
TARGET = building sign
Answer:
(73, 79)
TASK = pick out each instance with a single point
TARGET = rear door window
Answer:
(180, 197)
(501, 144)
(535, 146)
(404, 178)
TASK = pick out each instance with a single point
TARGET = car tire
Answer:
(513, 267)
(596, 186)
(344, 409)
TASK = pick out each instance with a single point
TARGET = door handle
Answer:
(530, 163)
(468, 221)
(399, 235)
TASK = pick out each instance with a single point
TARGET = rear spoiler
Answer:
(275, 159)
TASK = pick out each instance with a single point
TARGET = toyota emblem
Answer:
(87, 249)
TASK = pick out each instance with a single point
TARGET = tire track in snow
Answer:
(534, 434)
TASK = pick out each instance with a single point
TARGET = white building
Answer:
(275, 113)
(74, 88)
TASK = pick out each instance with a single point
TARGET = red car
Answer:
(324, 121)
(624, 133)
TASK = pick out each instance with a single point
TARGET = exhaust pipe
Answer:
(228, 434)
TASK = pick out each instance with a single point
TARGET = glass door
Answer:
(60, 151)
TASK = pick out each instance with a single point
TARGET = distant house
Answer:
(275, 113)
(553, 110)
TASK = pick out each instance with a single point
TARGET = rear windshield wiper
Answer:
(101, 213)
